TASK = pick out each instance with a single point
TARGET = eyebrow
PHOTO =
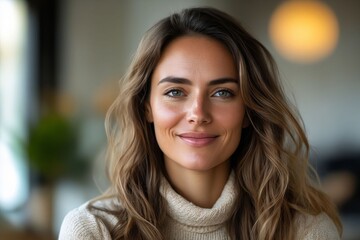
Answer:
(186, 81)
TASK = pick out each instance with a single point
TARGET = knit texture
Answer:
(184, 219)
(188, 221)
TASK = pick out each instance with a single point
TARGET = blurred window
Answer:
(14, 82)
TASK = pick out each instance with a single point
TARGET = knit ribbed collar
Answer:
(186, 213)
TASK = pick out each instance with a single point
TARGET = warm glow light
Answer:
(304, 30)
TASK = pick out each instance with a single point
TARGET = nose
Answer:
(198, 111)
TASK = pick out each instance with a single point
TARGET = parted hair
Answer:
(273, 177)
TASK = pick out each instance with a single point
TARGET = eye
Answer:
(174, 93)
(223, 93)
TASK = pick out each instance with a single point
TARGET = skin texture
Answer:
(198, 115)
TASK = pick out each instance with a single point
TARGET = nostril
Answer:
(199, 118)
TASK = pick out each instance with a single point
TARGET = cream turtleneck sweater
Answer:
(188, 221)
(184, 219)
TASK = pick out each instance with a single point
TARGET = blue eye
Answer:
(223, 94)
(174, 93)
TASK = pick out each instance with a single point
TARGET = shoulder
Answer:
(86, 222)
(319, 227)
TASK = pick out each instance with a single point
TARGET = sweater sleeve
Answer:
(319, 227)
(81, 224)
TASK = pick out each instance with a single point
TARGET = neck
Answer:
(202, 188)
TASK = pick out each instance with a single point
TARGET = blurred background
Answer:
(59, 66)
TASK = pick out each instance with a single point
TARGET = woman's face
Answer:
(195, 104)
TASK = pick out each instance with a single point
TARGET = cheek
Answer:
(231, 117)
(164, 115)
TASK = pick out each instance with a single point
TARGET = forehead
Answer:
(196, 54)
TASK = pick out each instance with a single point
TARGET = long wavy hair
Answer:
(271, 166)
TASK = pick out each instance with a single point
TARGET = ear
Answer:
(148, 112)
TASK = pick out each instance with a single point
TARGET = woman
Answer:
(204, 145)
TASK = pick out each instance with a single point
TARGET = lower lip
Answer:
(198, 142)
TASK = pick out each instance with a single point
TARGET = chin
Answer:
(200, 165)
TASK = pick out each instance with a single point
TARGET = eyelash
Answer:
(179, 91)
(168, 92)
(227, 91)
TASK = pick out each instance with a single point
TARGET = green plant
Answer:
(52, 148)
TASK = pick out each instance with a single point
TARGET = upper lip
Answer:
(197, 135)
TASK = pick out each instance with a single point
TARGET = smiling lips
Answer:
(197, 139)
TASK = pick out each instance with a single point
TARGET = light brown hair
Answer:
(270, 164)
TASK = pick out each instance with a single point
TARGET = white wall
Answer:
(99, 38)
(328, 92)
